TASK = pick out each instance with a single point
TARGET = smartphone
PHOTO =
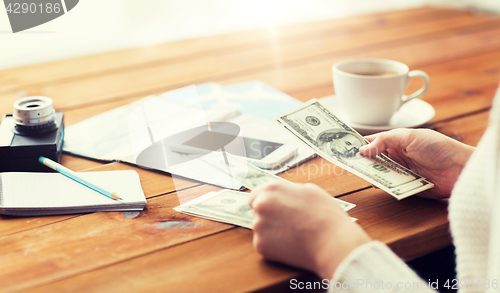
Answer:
(262, 153)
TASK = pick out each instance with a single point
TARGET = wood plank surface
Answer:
(77, 163)
(17, 79)
(231, 267)
(87, 242)
(161, 77)
(468, 129)
(291, 78)
(207, 264)
(402, 224)
(161, 250)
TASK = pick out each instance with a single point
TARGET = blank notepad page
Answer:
(54, 190)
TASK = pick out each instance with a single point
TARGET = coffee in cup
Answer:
(372, 90)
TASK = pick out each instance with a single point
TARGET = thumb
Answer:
(394, 139)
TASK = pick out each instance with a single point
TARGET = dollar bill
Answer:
(338, 143)
(229, 206)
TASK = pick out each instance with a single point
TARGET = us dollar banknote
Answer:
(229, 206)
(338, 143)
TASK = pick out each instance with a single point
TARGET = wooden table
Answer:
(163, 251)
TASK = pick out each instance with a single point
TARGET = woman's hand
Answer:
(435, 156)
(301, 225)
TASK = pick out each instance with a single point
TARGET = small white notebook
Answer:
(34, 194)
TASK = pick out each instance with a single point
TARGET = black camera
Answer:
(33, 130)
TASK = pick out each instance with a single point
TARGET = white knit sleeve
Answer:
(373, 267)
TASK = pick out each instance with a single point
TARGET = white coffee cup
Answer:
(372, 90)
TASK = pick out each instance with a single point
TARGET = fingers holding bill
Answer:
(381, 142)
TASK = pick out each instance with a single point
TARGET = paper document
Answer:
(54, 193)
(124, 133)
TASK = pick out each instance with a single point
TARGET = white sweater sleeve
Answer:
(373, 267)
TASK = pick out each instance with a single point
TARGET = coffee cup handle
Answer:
(422, 90)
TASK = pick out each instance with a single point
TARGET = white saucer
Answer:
(412, 114)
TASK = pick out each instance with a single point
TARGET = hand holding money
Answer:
(300, 225)
(426, 152)
(338, 143)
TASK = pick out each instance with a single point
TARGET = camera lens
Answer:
(34, 115)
